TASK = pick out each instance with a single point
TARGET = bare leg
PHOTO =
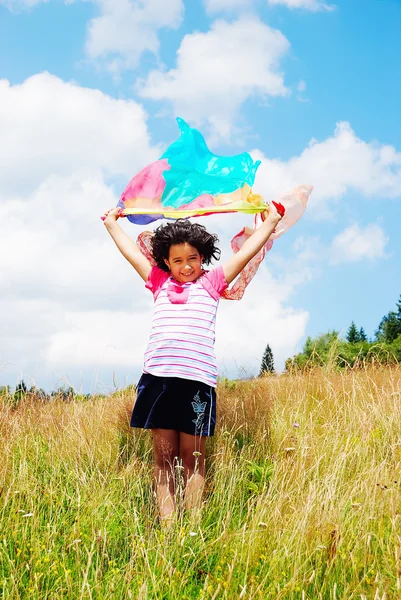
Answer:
(165, 444)
(192, 453)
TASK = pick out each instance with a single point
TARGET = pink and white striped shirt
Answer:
(181, 342)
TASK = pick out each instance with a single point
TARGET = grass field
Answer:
(303, 497)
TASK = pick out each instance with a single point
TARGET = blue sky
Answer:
(285, 74)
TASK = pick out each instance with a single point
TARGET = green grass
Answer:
(303, 497)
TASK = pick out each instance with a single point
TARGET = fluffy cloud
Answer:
(335, 166)
(312, 5)
(74, 309)
(50, 127)
(214, 6)
(71, 307)
(58, 266)
(125, 29)
(69, 301)
(262, 316)
(218, 70)
(356, 243)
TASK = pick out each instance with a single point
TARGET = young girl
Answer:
(176, 392)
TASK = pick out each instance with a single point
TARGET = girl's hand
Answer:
(275, 213)
(112, 214)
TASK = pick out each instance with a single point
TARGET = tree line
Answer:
(21, 391)
(330, 349)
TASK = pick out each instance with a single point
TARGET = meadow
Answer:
(303, 496)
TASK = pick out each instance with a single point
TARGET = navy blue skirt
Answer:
(174, 403)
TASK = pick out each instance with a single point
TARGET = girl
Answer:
(176, 392)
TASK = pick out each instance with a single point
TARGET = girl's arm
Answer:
(125, 244)
(237, 262)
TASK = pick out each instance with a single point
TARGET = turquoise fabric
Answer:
(196, 171)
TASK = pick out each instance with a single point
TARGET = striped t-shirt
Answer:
(181, 342)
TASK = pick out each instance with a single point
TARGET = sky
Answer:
(89, 93)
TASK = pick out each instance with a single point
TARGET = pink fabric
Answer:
(294, 201)
(201, 201)
(213, 281)
(177, 292)
(237, 289)
(148, 183)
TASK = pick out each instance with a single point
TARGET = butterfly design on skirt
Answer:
(199, 407)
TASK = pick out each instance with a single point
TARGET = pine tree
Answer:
(21, 388)
(267, 365)
(353, 335)
(362, 335)
(390, 325)
(20, 392)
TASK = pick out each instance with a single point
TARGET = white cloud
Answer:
(218, 70)
(336, 166)
(244, 328)
(58, 266)
(69, 301)
(50, 127)
(125, 29)
(312, 5)
(71, 306)
(356, 243)
(214, 6)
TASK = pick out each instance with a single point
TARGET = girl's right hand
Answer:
(112, 214)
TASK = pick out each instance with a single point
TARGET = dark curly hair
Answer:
(179, 232)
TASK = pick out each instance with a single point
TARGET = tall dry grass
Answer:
(303, 497)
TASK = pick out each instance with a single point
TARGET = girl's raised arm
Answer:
(125, 244)
(237, 262)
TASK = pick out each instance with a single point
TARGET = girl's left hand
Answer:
(275, 213)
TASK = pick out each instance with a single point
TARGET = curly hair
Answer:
(179, 232)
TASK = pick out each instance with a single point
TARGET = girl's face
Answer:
(184, 262)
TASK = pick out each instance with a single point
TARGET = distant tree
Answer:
(322, 347)
(38, 393)
(362, 335)
(316, 352)
(21, 386)
(353, 334)
(20, 392)
(390, 325)
(267, 365)
(389, 328)
(64, 393)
